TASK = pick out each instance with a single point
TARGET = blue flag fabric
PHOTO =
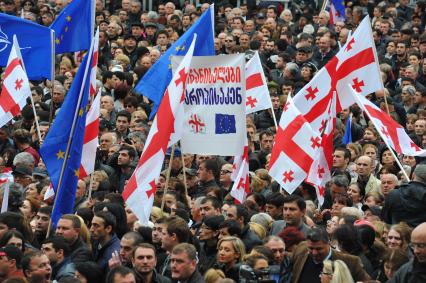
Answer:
(339, 5)
(225, 124)
(74, 27)
(347, 137)
(54, 146)
(155, 81)
(35, 43)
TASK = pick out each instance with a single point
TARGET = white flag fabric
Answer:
(294, 148)
(214, 119)
(257, 92)
(139, 192)
(16, 87)
(355, 65)
(390, 131)
(240, 176)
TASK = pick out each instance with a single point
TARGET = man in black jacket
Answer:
(409, 201)
(184, 262)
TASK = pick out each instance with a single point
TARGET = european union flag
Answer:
(225, 124)
(155, 81)
(53, 150)
(347, 137)
(36, 44)
(74, 27)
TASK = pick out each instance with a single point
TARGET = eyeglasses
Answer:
(419, 246)
(229, 40)
(225, 171)
(325, 273)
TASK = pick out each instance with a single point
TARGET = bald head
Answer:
(418, 242)
(364, 166)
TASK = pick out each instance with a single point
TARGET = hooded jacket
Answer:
(406, 204)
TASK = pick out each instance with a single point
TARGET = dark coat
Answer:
(411, 272)
(103, 254)
(301, 253)
(249, 238)
(406, 204)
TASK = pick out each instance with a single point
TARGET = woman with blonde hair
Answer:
(258, 229)
(335, 272)
(213, 275)
(230, 252)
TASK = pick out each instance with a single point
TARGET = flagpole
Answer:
(77, 109)
(324, 5)
(383, 138)
(184, 175)
(169, 169)
(52, 81)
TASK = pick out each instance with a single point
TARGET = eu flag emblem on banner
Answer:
(155, 81)
(74, 27)
(54, 148)
(36, 45)
(225, 124)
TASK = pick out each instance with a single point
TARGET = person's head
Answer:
(36, 266)
(370, 134)
(210, 206)
(10, 260)
(14, 221)
(229, 227)
(183, 261)
(209, 229)
(231, 250)
(126, 155)
(393, 260)
(88, 272)
(339, 185)
(144, 258)
(13, 238)
(418, 242)
(364, 166)
(121, 274)
(103, 226)
(355, 193)
(419, 173)
(370, 150)
(341, 158)
(56, 249)
(335, 271)
(127, 245)
(388, 183)
(398, 236)
(318, 245)
(274, 205)
(177, 231)
(123, 121)
(207, 170)
(294, 209)
(266, 139)
(69, 227)
(277, 246)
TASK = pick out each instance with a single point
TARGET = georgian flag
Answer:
(294, 149)
(16, 87)
(257, 92)
(140, 190)
(391, 132)
(240, 176)
(355, 65)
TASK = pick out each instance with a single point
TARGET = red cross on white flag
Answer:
(240, 176)
(16, 87)
(257, 93)
(390, 131)
(140, 190)
(294, 148)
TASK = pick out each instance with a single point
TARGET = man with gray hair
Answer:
(408, 203)
(184, 261)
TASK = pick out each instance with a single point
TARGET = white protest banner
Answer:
(214, 109)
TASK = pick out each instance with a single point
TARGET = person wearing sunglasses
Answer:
(335, 271)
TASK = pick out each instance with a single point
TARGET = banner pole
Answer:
(169, 169)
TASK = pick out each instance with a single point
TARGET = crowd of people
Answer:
(370, 228)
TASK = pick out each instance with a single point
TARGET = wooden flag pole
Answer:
(169, 169)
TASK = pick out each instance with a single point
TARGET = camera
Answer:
(248, 275)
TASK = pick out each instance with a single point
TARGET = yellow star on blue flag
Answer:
(74, 27)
